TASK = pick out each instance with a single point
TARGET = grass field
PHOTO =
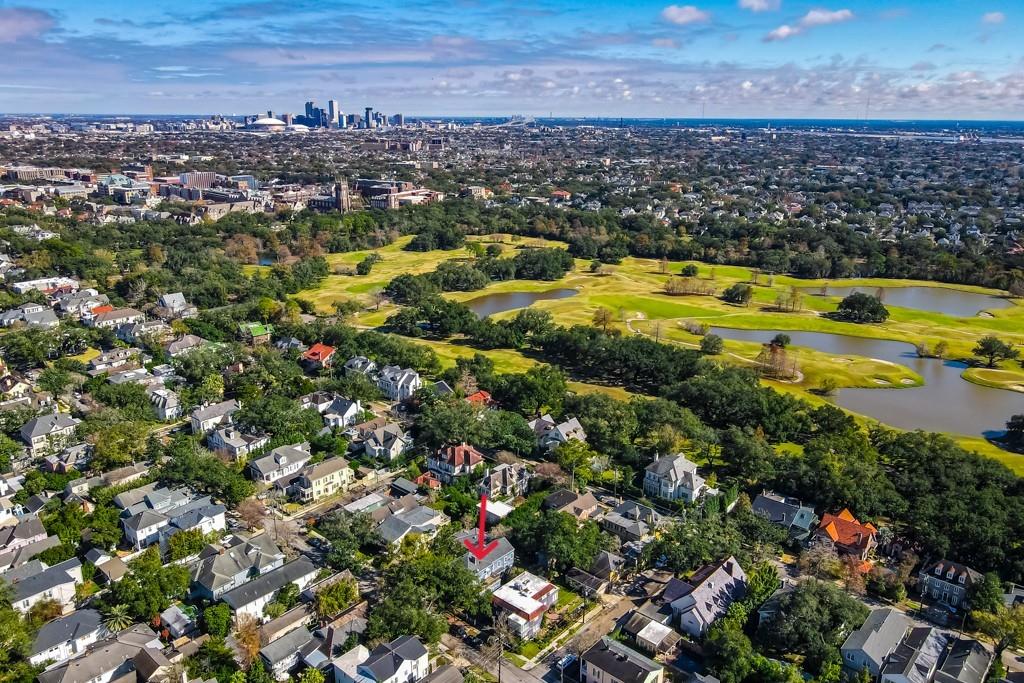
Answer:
(633, 291)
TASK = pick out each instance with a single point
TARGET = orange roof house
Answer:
(846, 534)
(480, 399)
(319, 355)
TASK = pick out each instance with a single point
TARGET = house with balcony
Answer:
(707, 595)
(208, 417)
(398, 384)
(280, 463)
(495, 563)
(609, 661)
(674, 478)
(67, 637)
(507, 480)
(46, 434)
(235, 561)
(251, 597)
(524, 600)
(452, 462)
(322, 479)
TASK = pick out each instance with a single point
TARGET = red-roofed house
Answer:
(428, 480)
(106, 308)
(480, 399)
(318, 356)
(846, 534)
(454, 461)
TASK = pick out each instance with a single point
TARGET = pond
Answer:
(946, 402)
(489, 304)
(952, 302)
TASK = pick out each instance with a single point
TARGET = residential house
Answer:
(148, 526)
(251, 597)
(674, 478)
(967, 661)
(184, 345)
(174, 306)
(283, 655)
(112, 318)
(524, 600)
(114, 358)
(206, 418)
(36, 581)
(947, 582)
(281, 462)
(31, 315)
(121, 658)
(551, 435)
(341, 412)
(582, 506)
(403, 660)
(360, 365)
(631, 521)
(609, 661)
(789, 513)
(451, 462)
(176, 622)
(77, 304)
(48, 433)
(916, 658)
(398, 384)
(870, 646)
(415, 519)
(498, 560)
(318, 356)
(229, 565)
(847, 535)
(507, 480)
(322, 479)
(708, 594)
(255, 333)
(65, 637)
(235, 444)
(387, 443)
(25, 532)
(166, 403)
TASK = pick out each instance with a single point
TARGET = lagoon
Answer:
(489, 304)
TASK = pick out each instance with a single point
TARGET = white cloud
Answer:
(782, 32)
(667, 43)
(816, 17)
(993, 18)
(21, 22)
(682, 15)
(761, 5)
(821, 17)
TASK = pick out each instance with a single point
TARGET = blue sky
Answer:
(959, 59)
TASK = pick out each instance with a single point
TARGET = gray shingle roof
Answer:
(385, 660)
(268, 583)
(619, 661)
(880, 634)
(47, 424)
(286, 645)
(63, 629)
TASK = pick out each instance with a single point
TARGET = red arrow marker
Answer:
(481, 547)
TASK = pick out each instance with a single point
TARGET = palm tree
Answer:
(117, 618)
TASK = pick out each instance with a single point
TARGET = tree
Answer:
(993, 349)
(248, 637)
(335, 598)
(781, 340)
(53, 380)
(149, 586)
(603, 318)
(117, 618)
(349, 535)
(987, 595)
(1006, 625)
(862, 308)
(311, 675)
(252, 511)
(217, 620)
(711, 345)
(577, 457)
(738, 293)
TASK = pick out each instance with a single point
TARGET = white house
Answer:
(251, 597)
(48, 433)
(280, 462)
(208, 417)
(870, 646)
(235, 444)
(398, 384)
(165, 403)
(524, 600)
(35, 581)
(66, 637)
(708, 594)
(551, 434)
(387, 442)
(403, 660)
(674, 478)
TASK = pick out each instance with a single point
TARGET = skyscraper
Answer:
(332, 113)
(310, 107)
(369, 117)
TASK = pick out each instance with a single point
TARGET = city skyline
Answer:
(847, 59)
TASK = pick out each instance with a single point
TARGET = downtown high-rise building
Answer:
(368, 120)
(332, 113)
(310, 109)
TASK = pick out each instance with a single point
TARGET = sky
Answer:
(932, 59)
